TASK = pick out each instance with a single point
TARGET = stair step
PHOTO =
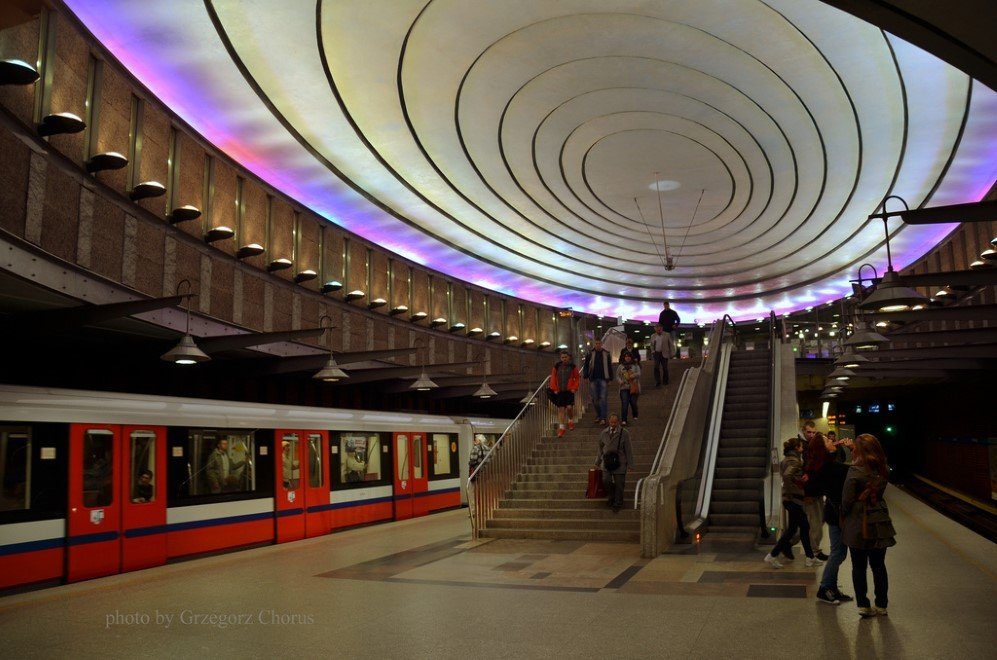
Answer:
(625, 524)
(734, 519)
(627, 513)
(597, 536)
(733, 507)
(577, 504)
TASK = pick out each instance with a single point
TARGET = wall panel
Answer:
(69, 85)
(153, 164)
(112, 128)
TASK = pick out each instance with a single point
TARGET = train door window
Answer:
(98, 468)
(221, 462)
(15, 469)
(142, 470)
(290, 461)
(444, 448)
(417, 457)
(360, 457)
(315, 476)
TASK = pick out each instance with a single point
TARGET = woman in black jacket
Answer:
(827, 476)
(867, 529)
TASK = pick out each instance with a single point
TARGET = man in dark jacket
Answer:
(669, 320)
(597, 369)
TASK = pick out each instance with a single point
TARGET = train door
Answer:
(410, 475)
(290, 505)
(318, 510)
(117, 499)
(302, 477)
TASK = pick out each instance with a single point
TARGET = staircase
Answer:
(547, 500)
(742, 456)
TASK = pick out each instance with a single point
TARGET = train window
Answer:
(220, 462)
(98, 468)
(289, 461)
(360, 457)
(143, 467)
(444, 448)
(417, 457)
(15, 469)
(316, 477)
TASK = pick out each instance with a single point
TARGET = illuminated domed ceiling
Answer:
(566, 152)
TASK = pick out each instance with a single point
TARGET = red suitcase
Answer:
(596, 488)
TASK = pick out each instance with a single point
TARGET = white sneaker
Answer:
(772, 561)
(813, 561)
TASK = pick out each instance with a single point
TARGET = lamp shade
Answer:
(219, 233)
(331, 285)
(423, 383)
(60, 123)
(418, 316)
(147, 190)
(485, 392)
(850, 359)
(863, 338)
(892, 296)
(356, 294)
(109, 160)
(841, 374)
(331, 372)
(17, 72)
(305, 275)
(398, 309)
(281, 263)
(249, 250)
(185, 352)
(184, 213)
(377, 302)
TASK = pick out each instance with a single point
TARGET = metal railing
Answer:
(490, 480)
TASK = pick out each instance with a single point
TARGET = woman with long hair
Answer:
(793, 479)
(867, 529)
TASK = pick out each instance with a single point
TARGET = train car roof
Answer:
(42, 404)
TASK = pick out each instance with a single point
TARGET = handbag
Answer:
(610, 461)
(633, 387)
(596, 487)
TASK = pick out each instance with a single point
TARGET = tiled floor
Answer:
(422, 589)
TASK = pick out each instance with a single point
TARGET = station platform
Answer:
(422, 589)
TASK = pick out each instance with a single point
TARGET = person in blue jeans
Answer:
(598, 370)
(829, 476)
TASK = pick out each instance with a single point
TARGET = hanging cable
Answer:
(691, 220)
(649, 235)
(669, 262)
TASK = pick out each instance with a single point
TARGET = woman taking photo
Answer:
(867, 529)
(793, 480)
(828, 477)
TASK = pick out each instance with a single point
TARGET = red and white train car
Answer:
(96, 483)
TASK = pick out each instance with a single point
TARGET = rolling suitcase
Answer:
(595, 488)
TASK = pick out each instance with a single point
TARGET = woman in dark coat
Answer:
(867, 529)
(828, 478)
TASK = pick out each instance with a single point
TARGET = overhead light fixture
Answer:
(331, 372)
(356, 294)
(989, 254)
(306, 275)
(184, 213)
(437, 322)
(147, 190)
(457, 326)
(423, 383)
(943, 293)
(17, 72)
(851, 360)
(219, 233)
(494, 334)
(890, 295)
(60, 123)
(511, 338)
(829, 395)
(528, 400)
(841, 374)
(485, 392)
(863, 338)
(109, 160)
(186, 351)
(562, 347)
(474, 331)
(979, 264)
(377, 302)
(281, 263)
(330, 286)
(398, 309)
(544, 344)
(249, 250)
(418, 316)
(528, 342)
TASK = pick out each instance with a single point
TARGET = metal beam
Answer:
(973, 212)
(970, 352)
(315, 362)
(964, 313)
(232, 342)
(961, 337)
(67, 317)
(969, 278)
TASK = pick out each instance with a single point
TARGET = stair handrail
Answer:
(656, 464)
(713, 429)
(775, 406)
(505, 459)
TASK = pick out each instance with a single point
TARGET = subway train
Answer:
(97, 483)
